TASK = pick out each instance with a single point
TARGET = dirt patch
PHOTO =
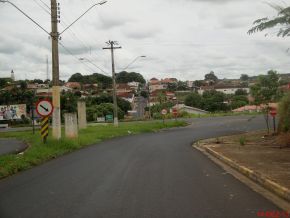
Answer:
(266, 155)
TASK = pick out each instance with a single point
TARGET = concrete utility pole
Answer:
(56, 119)
(111, 44)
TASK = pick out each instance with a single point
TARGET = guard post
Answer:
(44, 129)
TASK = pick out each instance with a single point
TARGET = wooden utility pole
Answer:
(56, 119)
(112, 48)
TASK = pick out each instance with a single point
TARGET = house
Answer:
(248, 108)
(33, 86)
(230, 89)
(43, 92)
(169, 80)
(188, 109)
(124, 88)
(154, 81)
(226, 89)
(133, 85)
(255, 108)
(73, 85)
(155, 87)
(126, 96)
(65, 89)
(170, 96)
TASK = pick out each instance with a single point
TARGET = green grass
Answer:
(38, 152)
(223, 114)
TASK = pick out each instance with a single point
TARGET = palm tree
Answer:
(282, 20)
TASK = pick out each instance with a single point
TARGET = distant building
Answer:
(155, 87)
(73, 85)
(188, 109)
(255, 108)
(154, 81)
(226, 89)
(12, 76)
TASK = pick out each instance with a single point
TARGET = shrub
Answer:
(284, 114)
(284, 140)
(242, 140)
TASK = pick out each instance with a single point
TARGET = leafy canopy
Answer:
(282, 20)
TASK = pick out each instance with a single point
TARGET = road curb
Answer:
(253, 175)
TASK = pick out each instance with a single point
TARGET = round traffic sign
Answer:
(164, 111)
(44, 108)
(174, 111)
(273, 113)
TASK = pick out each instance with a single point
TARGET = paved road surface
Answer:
(151, 175)
(11, 146)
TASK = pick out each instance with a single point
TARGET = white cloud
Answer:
(184, 39)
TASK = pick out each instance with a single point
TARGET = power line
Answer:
(42, 7)
(73, 34)
(77, 58)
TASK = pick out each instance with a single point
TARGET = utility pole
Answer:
(56, 120)
(112, 48)
(149, 100)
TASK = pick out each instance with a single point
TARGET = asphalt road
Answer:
(11, 146)
(150, 175)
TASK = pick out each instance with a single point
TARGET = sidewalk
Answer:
(259, 158)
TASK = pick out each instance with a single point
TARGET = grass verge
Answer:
(38, 152)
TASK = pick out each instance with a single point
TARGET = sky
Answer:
(184, 39)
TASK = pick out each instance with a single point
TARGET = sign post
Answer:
(273, 113)
(44, 108)
(163, 112)
(174, 111)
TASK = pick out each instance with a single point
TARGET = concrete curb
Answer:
(254, 176)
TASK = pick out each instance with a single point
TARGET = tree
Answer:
(39, 81)
(284, 114)
(171, 87)
(244, 77)
(266, 89)
(77, 77)
(125, 77)
(193, 100)
(282, 20)
(211, 77)
(241, 92)
(96, 78)
(181, 86)
(214, 101)
(198, 83)
(144, 94)
(3, 82)
(239, 100)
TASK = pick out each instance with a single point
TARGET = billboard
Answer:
(12, 112)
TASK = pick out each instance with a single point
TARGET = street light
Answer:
(142, 56)
(85, 59)
(99, 3)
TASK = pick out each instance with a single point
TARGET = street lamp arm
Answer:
(143, 56)
(6, 1)
(82, 59)
(100, 3)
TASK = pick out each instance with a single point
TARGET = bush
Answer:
(284, 140)
(242, 140)
(284, 114)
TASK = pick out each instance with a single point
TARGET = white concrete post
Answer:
(82, 117)
(71, 125)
